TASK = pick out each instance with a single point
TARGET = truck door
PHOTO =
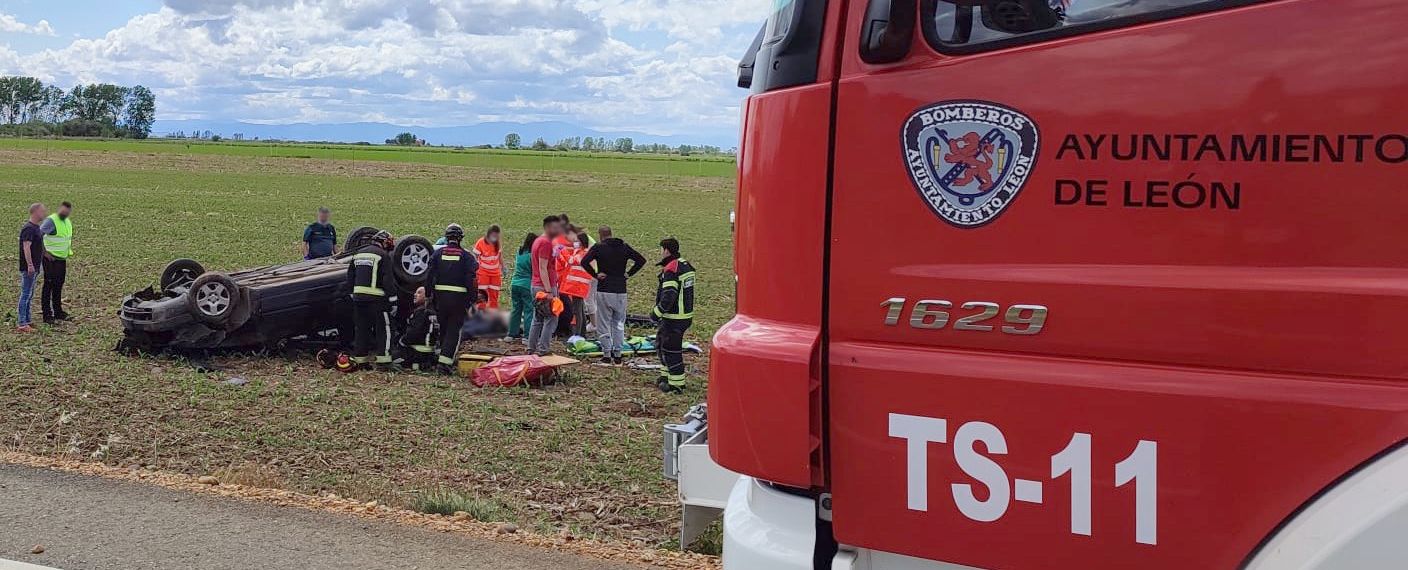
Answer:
(1113, 284)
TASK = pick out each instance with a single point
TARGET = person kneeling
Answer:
(418, 342)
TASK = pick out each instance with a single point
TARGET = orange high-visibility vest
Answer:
(488, 255)
(575, 280)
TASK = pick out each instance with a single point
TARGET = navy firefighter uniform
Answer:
(418, 342)
(674, 312)
(373, 292)
(450, 282)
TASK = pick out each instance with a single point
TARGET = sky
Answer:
(663, 67)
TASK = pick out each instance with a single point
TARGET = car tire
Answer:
(180, 272)
(359, 238)
(214, 298)
(410, 261)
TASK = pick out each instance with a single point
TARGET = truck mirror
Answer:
(745, 65)
(1019, 16)
(888, 30)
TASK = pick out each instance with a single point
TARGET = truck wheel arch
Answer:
(1358, 522)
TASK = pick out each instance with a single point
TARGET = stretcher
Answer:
(635, 346)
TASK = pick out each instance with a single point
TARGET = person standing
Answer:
(520, 321)
(607, 260)
(450, 283)
(31, 263)
(320, 237)
(674, 312)
(58, 247)
(544, 286)
(373, 293)
(576, 284)
(491, 273)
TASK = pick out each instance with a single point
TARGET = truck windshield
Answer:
(958, 26)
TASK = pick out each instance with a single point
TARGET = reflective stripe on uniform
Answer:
(488, 257)
(679, 303)
(385, 356)
(452, 288)
(446, 360)
(372, 288)
(423, 348)
(449, 258)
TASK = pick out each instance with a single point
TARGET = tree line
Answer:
(513, 141)
(28, 107)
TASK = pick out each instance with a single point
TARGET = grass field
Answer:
(582, 455)
(608, 163)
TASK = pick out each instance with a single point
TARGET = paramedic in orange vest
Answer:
(491, 272)
(576, 282)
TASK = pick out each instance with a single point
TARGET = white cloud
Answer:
(11, 24)
(661, 66)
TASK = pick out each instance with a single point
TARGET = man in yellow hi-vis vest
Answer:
(58, 247)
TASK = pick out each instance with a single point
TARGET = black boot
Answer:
(665, 386)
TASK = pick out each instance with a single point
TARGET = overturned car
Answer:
(194, 309)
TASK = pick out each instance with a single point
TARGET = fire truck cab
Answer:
(1098, 284)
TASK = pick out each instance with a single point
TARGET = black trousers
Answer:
(371, 327)
(566, 321)
(669, 343)
(450, 310)
(419, 361)
(52, 303)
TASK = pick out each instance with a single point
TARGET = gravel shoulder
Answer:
(88, 522)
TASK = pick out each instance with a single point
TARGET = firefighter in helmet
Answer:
(373, 293)
(450, 284)
(674, 313)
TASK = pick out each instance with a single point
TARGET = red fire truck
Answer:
(1097, 284)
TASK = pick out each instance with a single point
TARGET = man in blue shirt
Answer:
(320, 238)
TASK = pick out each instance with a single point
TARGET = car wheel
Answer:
(360, 238)
(181, 272)
(411, 261)
(214, 298)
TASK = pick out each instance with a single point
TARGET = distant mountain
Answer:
(470, 135)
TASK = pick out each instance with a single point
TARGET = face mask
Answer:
(63, 216)
(493, 239)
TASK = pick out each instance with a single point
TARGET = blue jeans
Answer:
(26, 295)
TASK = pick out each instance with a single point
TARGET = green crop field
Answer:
(582, 455)
(608, 163)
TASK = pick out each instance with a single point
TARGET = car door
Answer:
(1121, 292)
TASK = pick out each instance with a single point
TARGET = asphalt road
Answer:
(89, 523)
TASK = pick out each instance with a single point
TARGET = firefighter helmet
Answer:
(454, 233)
(345, 364)
(384, 239)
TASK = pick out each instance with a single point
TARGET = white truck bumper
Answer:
(768, 529)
